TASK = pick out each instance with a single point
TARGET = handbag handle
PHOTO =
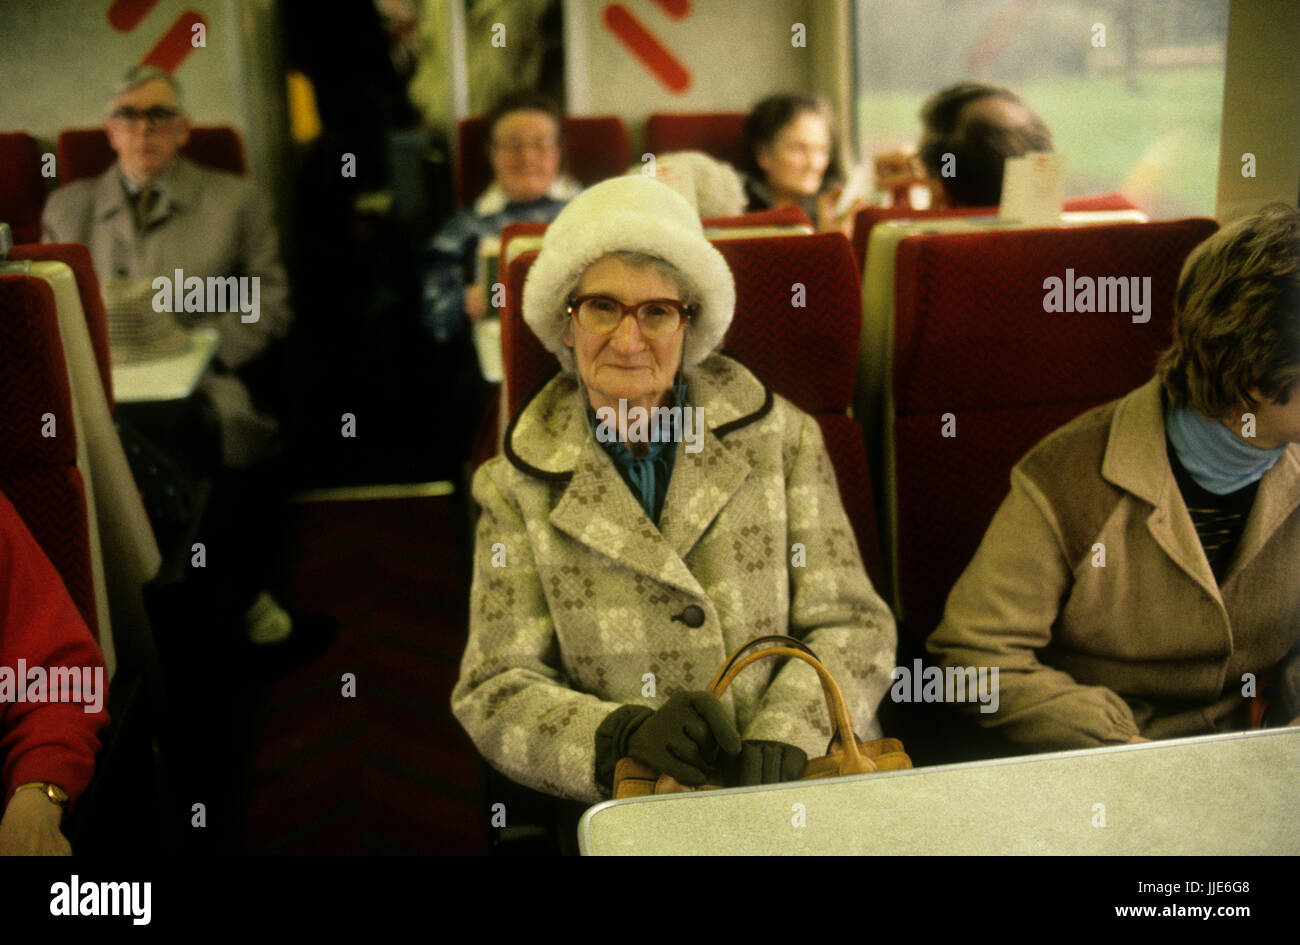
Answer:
(774, 638)
(854, 762)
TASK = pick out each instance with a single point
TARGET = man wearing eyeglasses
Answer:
(154, 212)
(150, 215)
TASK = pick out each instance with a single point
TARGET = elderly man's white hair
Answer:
(137, 76)
(712, 187)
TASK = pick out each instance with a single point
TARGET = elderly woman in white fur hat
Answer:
(626, 546)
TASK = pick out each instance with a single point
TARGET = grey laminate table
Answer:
(1218, 794)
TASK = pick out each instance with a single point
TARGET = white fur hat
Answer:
(634, 214)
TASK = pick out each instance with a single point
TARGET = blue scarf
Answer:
(1217, 459)
(647, 476)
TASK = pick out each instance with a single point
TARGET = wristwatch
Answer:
(51, 790)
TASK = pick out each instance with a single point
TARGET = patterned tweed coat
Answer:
(580, 604)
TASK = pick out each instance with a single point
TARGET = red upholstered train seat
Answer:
(762, 222)
(85, 152)
(974, 346)
(868, 217)
(807, 354)
(38, 472)
(779, 217)
(92, 302)
(720, 134)
(595, 148)
(22, 188)
(528, 365)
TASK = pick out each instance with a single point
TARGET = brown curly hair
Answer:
(1237, 317)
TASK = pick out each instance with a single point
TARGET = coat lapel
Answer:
(552, 440)
(180, 190)
(1277, 498)
(1137, 461)
(112, 215)
(598, 510)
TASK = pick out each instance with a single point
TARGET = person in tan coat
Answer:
(615, 569)
(1140, 581)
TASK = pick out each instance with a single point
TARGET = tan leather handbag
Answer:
(634, 778)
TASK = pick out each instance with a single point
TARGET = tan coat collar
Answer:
(1137, 461)
(551, 440)
(1135, 458)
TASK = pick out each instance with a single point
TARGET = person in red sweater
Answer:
(49, 719)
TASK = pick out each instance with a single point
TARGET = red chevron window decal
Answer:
(639, 41)
(676, 9)
(125, 15)
(173, 46)
(177, 43)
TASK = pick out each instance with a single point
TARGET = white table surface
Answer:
(170, 378)
(1220, 794)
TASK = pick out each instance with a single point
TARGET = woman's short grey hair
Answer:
(690, 296)
(137, 76)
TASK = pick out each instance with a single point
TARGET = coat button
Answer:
(692, 616)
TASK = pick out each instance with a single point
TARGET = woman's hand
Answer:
(1137, 740)
(897, 172)
(682, 739)
(762, 762)
(827, 221)
(476, 303)
(30, 827)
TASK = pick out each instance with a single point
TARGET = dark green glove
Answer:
(683, 738)
(761, 762)
(611, 741)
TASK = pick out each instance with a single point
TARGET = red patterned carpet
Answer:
(389, 770)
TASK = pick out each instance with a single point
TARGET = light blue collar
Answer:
(1217, 459)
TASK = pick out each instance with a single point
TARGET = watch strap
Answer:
(52, 791)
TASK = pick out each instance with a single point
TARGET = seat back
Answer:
(1112, 200)
(774, 338)
(781, 221)
(775, 335)
(868, 217)
(528, 365)
(719, 134)
(595, 148)
(981, 371)
(38, 436)
(85, 152)
(529, 236)
(22, 188)
(796, 306)
(92, 301)
(784, 221)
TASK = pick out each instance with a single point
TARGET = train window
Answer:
(1132, 92)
